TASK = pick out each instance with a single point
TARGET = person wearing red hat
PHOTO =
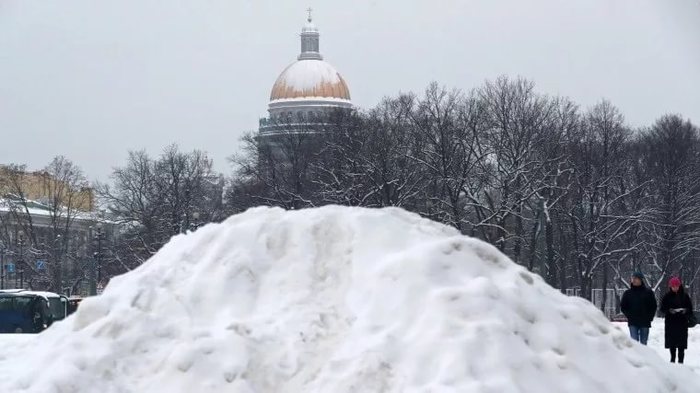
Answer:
(676, 307)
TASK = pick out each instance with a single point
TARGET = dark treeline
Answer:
(574, 195)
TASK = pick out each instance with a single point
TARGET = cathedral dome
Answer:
(310, 78)
(309, 87)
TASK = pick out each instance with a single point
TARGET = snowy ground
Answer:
(656, 342)
(9, 341)
(334, 300)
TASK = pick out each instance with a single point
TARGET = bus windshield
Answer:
(57, 306)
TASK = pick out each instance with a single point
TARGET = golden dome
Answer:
(310, 78)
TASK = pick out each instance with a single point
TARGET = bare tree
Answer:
(554, 179)
(670, 151)
(516, 120)
(601, 162)
(43, 207)
(277, 165)
(378, 154)
(447, 134)
(154, 199)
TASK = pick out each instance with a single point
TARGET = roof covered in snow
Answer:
(42, 214)
(38, 209)
(310, 78)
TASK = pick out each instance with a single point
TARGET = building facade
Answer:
(51, 235)
(42, 187)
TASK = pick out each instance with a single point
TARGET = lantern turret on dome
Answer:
(310, 41)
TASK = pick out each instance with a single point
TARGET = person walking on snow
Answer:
(676, 306)
(639, 306)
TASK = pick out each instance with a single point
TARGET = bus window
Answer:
(57, 307)
(23, 314)
(6, 303)
(23, 304)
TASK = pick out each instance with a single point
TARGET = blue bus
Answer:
(30, 312)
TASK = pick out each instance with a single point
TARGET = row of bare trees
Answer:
(575, 195)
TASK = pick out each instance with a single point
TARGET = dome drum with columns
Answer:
(307, 89)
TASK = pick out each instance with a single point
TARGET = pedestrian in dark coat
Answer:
(676, 306)
(639, 306)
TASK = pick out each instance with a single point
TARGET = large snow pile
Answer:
(334, 300)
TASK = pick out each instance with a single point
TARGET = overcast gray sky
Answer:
(93, 79)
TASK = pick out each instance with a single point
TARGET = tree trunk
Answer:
(604, 287)
(562, 264)
(587, 286)
(517, 244)
(549, 240)
(533, 243)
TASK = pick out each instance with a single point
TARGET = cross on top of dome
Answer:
(309, 27)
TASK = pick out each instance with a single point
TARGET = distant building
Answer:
(39, 186)
(43, 221)
(305, 92)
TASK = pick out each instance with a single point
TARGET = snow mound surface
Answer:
(334, 300)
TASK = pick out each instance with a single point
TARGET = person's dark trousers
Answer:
(681, 355)
(640, 334)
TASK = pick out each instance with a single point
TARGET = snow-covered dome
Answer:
(309, 83)
(307, 90)
(310, 78)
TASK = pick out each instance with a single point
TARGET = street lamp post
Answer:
(20, 261)
(99, 235)
(2, 265)
(53, 264)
